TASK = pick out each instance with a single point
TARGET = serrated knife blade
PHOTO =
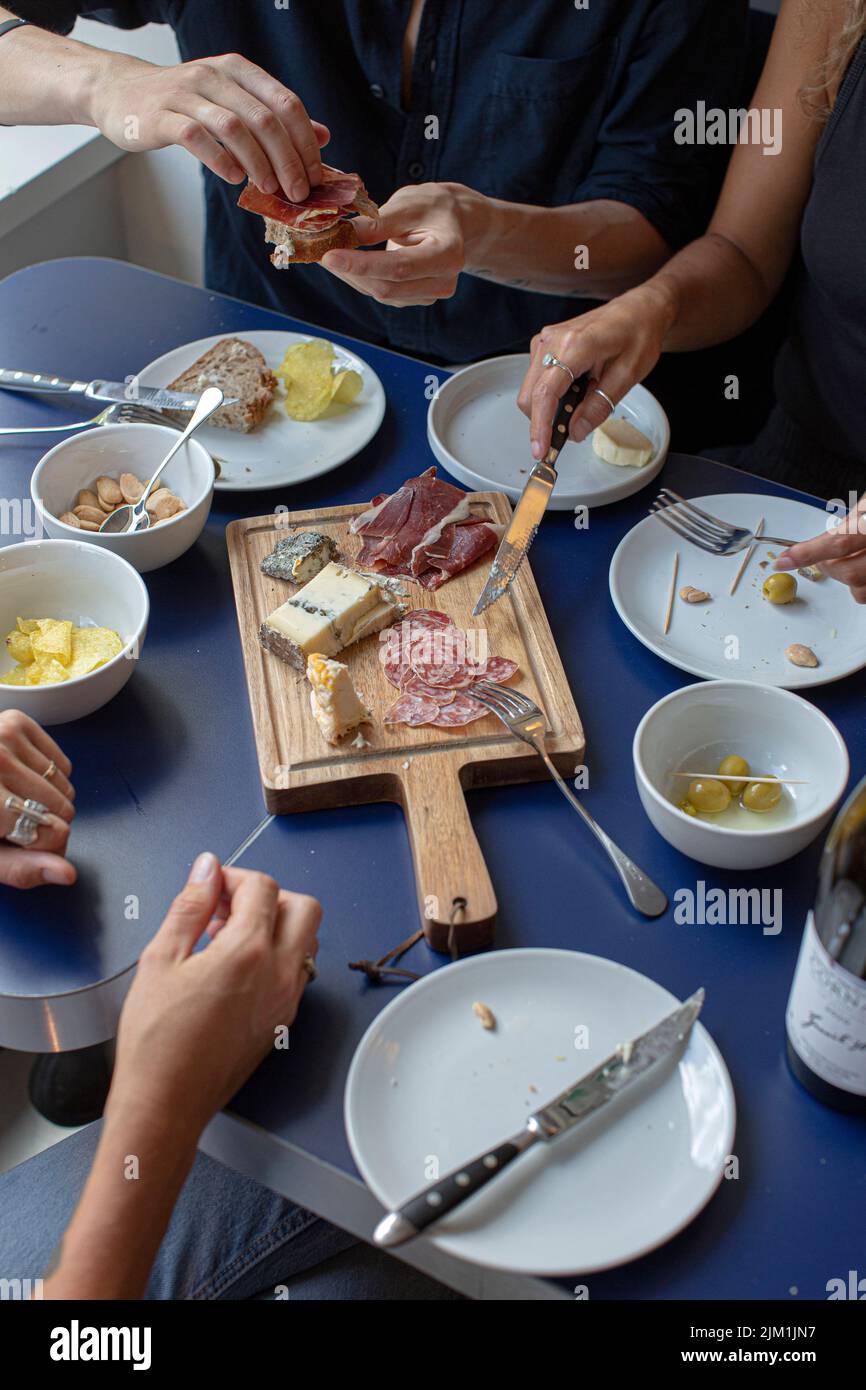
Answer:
(533, 502)
(590, 1093)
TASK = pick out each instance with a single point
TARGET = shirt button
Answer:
(377, 90)
(416, 169)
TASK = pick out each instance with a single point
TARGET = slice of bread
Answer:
(292, 247)
(239, 370)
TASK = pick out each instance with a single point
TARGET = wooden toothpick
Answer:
(672, 594)
(759, 531)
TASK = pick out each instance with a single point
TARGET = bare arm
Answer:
(227, 112)
(720, 284)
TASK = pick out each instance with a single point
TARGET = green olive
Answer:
(688, 808)
(706, 794)
(780, 588)
(733, 766)
(762, 796)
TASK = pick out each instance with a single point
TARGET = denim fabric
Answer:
(229, 1237)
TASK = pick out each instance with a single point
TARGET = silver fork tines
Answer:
(702, 529)
(526, 721)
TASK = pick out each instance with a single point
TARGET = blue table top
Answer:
(169, 768)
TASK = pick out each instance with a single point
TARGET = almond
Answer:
(690, 595)
(108, 492)
(91, 514)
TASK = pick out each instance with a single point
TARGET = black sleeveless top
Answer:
(821, 370)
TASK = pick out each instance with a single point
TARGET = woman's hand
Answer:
(194, 1026)
(839, 552)
(423, 226)
(26, 754)
(618, 345)
(225, 110)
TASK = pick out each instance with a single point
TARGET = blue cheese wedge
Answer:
(337, 707)
(299, 557)
(338, 607)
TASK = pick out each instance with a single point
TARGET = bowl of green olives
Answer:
(738, 775)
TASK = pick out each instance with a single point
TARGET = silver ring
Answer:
(24, 832)
(32, 810)
(548, 360)
(310, 966)
(597, 391)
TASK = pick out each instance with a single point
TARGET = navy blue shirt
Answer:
(538, 101)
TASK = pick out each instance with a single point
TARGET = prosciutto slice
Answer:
(424, 532)
(320, 208)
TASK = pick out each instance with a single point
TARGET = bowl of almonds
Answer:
(78, 483)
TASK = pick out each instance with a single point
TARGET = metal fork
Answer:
(122, 413)
(526, 721)
(708, 532)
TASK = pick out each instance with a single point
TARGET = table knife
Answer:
(533, 503)
(124, 391)
(586, 1096)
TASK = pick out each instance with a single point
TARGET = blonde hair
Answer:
(818, 97)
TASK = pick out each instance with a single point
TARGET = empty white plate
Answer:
(741, 636)
(281, 451)
(477, 432)
(429, 1086)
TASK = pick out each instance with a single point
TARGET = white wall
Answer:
(80, 196)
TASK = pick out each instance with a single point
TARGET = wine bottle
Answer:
(826, 1016)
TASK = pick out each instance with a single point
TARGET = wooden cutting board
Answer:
(425, 770)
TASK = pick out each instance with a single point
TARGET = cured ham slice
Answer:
(337, 190)
(423, 532)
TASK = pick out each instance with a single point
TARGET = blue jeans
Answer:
(228, 1238)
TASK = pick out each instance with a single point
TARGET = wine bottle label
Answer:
(826, 1016)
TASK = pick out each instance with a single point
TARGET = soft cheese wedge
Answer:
(337, 707)
(338, 607)
(618, 442)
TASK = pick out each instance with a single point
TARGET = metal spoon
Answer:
(135, 517)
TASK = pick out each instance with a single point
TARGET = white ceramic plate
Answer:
(477, 432)
(823, 616)
(428, 1084)
(281, 451)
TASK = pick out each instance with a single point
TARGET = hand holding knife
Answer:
(533, 502)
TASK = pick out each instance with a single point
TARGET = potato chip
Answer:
(51, 650)
(53, 639)
(19, 648)
(347, 386)
(307, 371)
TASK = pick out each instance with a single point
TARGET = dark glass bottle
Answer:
(826, 1017)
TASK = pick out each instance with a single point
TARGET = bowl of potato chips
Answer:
(73, 619)
(78, 483)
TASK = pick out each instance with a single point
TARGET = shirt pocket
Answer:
(540, 124)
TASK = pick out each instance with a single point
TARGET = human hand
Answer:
(194, 1026)
(617, 344)
(840, 552)
(26, 754)
(424, 229)
(225, 110)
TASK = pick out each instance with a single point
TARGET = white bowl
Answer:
(776, 731)
(114, 449)
(92, 587)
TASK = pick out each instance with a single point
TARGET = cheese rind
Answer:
(299, 557)
(338, 607)
(337, 708)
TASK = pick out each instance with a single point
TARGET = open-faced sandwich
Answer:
(303, 232)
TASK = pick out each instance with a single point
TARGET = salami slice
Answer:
(413, 685)
(498, 668)
(412, 710)
(461, 710)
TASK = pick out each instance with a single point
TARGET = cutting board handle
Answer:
(455, 895)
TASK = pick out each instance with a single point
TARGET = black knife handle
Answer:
(561, 421)
(453, 1188)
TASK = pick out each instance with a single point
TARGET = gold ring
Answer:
(310, 966)
(50, 770)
